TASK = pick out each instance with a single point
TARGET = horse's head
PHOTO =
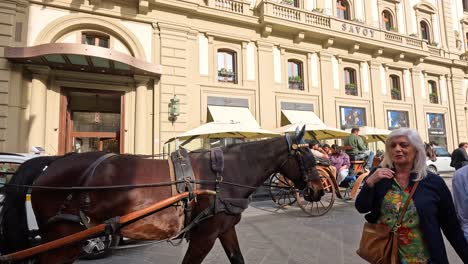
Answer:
(300, 167)
(430, 152)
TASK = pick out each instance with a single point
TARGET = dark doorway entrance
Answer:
(91, 120)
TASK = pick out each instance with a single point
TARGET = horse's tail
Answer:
(14, 231)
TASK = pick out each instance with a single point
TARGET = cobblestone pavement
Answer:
(270, 236)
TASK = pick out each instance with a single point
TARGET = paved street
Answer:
(269, 236)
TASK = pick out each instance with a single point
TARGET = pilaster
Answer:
(38, 103)
(141, 115)
(266, 90)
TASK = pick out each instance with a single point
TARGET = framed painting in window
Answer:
(397, 119)
(352, 117)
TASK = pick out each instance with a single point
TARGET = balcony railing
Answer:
(235, 6)
(227, 77)
(271, 8)
(296, 85)
(351, 89)
(433, 98)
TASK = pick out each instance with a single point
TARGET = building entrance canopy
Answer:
(314, 126)
(82, 58)
(231, 114)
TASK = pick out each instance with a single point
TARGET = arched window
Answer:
(227, 66)
(95, 39)
(350, 81)
(425, 32)
(396, 87)
(387, 20)
(433, 92)
(295, 75)
(343, 10)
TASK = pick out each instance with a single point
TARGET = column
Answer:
(376, 93)
(419, 114)
(140, 114)
(328, 114)
(37, 114)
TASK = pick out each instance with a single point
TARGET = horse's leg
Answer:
(199, 246)
(64, 254)
(231, 246)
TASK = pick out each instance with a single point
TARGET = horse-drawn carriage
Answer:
(81, 195)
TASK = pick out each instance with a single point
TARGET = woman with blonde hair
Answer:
(430, 211)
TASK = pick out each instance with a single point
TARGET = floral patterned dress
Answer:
(412, 247)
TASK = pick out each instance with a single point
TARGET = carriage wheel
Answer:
(326, 202)
(282, 190)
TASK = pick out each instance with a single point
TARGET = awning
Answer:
(224, 130)
(297, 116)
(313, 125)
(230, 114)
(82, 58)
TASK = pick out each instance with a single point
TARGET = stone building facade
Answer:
(80, 75)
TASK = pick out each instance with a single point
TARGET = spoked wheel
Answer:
(282, 190)
(326, 201)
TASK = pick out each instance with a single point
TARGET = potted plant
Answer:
(288, 2)
(434, 98)
(295, 79)
(395, 29)
(318, 10)
(414, 35)
(396, 94)
(351, 89)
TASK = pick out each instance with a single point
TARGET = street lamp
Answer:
(174, 109)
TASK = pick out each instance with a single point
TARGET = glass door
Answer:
(92, 121)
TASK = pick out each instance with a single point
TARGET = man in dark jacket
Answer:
(460, 156)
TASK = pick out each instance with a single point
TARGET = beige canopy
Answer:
(314, 126)
(373, 134)
(225, 130)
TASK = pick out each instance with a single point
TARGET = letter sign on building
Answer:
(357, 30)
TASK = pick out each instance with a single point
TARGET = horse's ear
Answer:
(300, 134)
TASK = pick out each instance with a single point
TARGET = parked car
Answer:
(442, 164)
(92, 248)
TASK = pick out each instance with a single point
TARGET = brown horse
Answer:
(246, 165)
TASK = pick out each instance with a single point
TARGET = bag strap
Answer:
(403, 210)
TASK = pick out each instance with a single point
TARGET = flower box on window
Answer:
(287, 2)
(434, 98)
(396, 94)
(296, 83)
(225, 75)
(351, 89)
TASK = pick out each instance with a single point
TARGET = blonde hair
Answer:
(419, 163)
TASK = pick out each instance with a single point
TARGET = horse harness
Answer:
(85, 200)
(184, 182)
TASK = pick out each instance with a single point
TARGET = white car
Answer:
(442, 164)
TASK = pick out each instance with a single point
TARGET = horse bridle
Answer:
(294, 151)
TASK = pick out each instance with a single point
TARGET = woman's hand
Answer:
(378, 175)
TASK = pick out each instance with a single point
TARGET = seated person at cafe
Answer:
(327, 149)
(340, 160)
(321, 156)
(358, 149)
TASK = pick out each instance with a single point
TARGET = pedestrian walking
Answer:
(460, 156)
(430, 210)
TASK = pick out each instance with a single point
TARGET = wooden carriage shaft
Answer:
(97, 229)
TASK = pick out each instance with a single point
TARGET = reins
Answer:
(114, 187)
